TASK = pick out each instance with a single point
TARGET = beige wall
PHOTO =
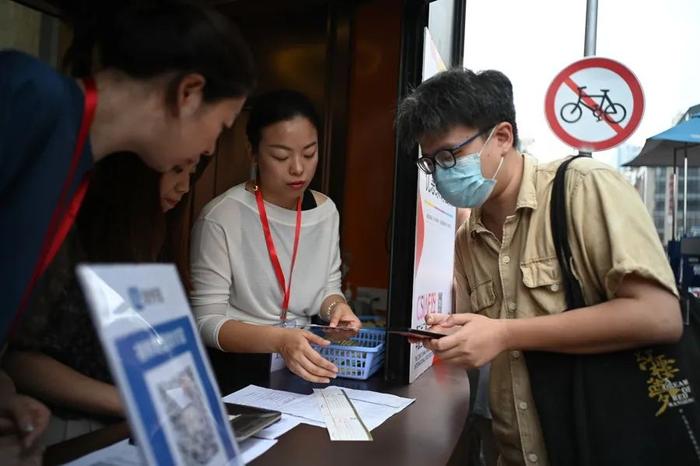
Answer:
(20, 27)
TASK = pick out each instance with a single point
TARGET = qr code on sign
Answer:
(189, 418)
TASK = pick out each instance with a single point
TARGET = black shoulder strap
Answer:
(308, 202)
(574, 295)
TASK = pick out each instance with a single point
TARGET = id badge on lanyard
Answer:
(277, 361)
(285, 285)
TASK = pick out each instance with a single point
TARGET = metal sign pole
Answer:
(590, 39)
(685, 189)
(674, 209)
(591, 27)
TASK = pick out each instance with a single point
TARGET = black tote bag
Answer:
(636, 407)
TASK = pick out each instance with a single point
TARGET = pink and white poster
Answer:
(435, 236)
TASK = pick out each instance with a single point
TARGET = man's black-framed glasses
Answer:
(445, 158)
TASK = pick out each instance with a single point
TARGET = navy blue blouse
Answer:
(40, 114)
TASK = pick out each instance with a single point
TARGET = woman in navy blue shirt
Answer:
(172, 74)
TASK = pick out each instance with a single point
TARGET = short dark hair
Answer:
(273, 107)
(147, 38)
(456, 97)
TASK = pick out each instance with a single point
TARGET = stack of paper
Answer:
(374, 408)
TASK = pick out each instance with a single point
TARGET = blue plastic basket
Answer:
(379, 322)
(361, 359)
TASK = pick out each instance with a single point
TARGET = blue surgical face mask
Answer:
(463, 185)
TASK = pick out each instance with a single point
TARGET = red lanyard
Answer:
(64, 215)
(274, 259)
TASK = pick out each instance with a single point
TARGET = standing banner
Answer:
(434, 245)
(157, 360)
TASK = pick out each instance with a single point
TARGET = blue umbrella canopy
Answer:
(668, 149)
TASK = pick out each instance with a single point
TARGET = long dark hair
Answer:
(148, 38)
(121, 219)
(177, 220)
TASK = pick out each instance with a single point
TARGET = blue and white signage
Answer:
(144, 322)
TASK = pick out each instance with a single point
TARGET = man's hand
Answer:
(476, 341)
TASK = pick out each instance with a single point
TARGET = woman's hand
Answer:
(13, 453)
(20, 415)
(342, 316)
(24, 417)
(302, 359)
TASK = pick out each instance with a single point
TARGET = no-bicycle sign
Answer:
(594, 104)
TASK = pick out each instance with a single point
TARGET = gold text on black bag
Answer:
(668, 392)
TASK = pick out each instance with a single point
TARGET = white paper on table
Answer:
(379, 408)
(279, 428)
(310, 422)
(124, 454)
(384, 399)
(253, 447)
(260, 397)
(343, 422)
(302, 406)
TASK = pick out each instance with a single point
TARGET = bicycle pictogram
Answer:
(612, 112)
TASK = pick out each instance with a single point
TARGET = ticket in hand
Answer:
(333, 333)
(417, 333)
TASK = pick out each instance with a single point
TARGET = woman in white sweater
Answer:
(251, 239)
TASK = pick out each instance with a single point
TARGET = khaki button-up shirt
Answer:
(611, 235)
